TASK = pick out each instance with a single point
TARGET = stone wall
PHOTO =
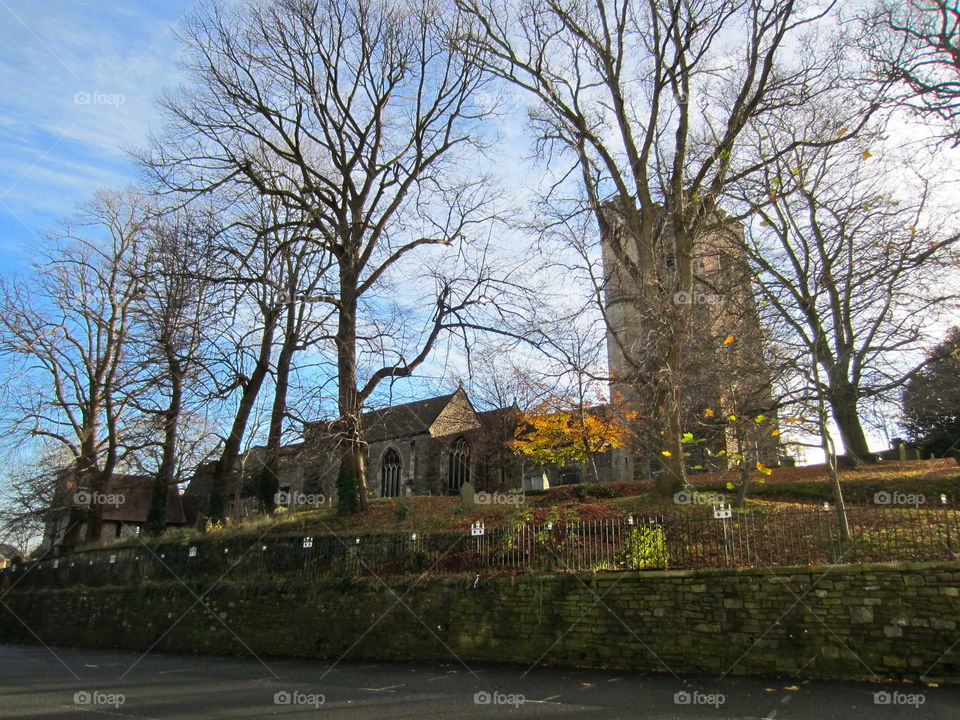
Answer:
(892, 620)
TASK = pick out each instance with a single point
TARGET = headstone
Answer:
(534, 482)
(467, 495)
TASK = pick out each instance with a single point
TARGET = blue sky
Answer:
(78, 79)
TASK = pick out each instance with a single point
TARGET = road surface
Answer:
(38, 683)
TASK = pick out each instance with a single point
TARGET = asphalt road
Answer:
(40, 684)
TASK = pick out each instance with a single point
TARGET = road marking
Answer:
(112, 713)
(388, 687)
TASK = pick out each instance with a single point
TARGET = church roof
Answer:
(135, 491)
(406, 420)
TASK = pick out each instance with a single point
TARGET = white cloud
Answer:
(78, 79)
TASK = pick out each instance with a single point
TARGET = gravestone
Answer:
(532, 483)
(467, 496)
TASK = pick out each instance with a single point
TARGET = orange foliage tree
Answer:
(558, 432)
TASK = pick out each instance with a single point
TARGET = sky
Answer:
(79, 79)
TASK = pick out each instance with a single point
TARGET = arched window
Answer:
(390, 468)
(459, 464)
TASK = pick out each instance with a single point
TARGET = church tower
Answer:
(726, 383)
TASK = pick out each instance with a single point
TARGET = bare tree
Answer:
(917, 43)
(246, 268)
(178, 317)
(66, 330)
(849, 261)
(352, 115)
(299, 273)
(650, 100)
(29, 492)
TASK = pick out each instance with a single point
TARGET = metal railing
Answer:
(686, 540)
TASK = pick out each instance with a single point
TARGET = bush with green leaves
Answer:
(644, 547)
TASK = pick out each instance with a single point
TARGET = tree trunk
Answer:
(228, 458)
(157, 515)
(352, 475)
(94, 479)
(85, 468)
(741, 497)
(843, 406)
(269, 481)
(843, 527)
(673, 477)
(830, 455)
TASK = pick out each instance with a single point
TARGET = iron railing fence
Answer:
(670, 541)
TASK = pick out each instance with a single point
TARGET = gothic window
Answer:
(459, 464)
(390, 468)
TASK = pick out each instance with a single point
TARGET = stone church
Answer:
(426, 447)
(434, 446)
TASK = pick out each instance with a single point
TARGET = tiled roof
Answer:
(136, 490)
(399, 421)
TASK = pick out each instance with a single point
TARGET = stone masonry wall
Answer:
(886, 621)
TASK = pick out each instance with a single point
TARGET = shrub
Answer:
(645, 547)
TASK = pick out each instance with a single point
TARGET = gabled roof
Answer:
(400, 421)
(136, 491)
